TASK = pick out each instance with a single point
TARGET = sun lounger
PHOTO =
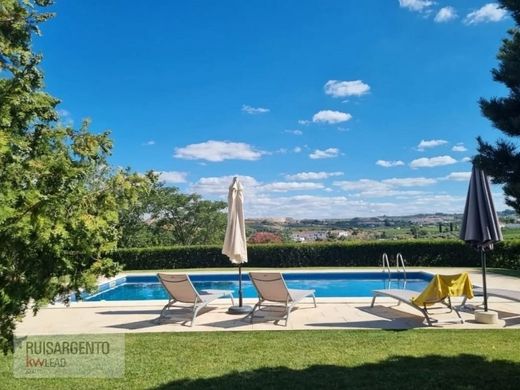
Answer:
(273, 292)
(510, 295)
(440, 290)
(180, 289)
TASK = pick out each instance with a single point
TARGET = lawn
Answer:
(414, 359)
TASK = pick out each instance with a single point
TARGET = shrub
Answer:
(439, 253)
(265, 238)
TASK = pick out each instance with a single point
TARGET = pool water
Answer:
(326, 284)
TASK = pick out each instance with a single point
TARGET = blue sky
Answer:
(324, 109)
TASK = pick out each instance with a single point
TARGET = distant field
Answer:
(376, 233)
(511, 234)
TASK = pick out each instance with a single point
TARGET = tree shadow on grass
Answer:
(399, 372)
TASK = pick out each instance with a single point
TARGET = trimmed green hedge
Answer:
(440, 253)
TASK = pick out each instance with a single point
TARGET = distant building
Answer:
(309, 235)
(340, 233)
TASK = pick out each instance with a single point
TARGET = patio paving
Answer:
(331, 313)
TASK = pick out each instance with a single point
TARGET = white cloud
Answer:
(337, 88)
(428, 144)
(304, 122)
(459, 148)
(416, 5)
(410, 181)
(312, 175)
(466, 159)
(329, 116)
(297, 149)
(459, 176)
(149, 143)
(389, 164)
(365, 197)
(172, 176)
(62, 112)
(292, 186)
(490, 12)
(254, 110)
(362, 185)
(432, 162)
(65, 117)
(384, 188)
(220, 184)
(327, 153)
(216, 151)
(311, 206)
(294, 132)
(446, 14)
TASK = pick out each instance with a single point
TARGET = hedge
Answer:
(441, 253)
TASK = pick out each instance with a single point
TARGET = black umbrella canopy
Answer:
(480, 225)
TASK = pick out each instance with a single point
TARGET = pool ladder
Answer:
(399, 267)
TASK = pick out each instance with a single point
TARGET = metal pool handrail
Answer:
(399, 261)
(386, 265)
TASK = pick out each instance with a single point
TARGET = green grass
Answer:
(415, 359)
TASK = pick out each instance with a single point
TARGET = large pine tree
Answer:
(502, 160)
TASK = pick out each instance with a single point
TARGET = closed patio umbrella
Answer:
(235, 245)
(480, 226)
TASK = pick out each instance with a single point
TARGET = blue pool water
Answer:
(326, 284)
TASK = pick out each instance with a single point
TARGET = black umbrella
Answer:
(480, 226)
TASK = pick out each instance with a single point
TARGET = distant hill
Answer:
(384, 220)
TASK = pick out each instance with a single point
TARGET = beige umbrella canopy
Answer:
(235, 245)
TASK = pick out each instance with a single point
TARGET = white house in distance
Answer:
(319, 235)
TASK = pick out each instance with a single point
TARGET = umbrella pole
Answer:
(240, 309)
(483, 261)
(240, 285)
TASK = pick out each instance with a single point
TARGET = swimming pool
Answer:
(326, 284)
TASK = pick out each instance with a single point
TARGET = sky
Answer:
(323, 109)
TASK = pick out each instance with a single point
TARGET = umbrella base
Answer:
(486, 317)
(240, 310)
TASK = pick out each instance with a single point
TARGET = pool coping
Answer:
(331, 313)
(428, 270)
(113, 282)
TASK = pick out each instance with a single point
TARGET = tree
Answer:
(502, 161)
(59, 199)
(188, 219)
(415, 231)
(166, 216)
